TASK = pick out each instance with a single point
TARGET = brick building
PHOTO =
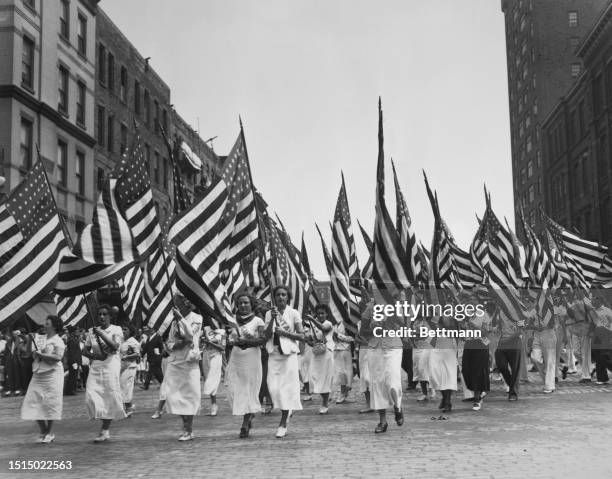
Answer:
(47, 72)
(577, 141)
(541, 41)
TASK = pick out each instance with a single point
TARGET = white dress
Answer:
(443, 365)
(421, 354)
(128, 368)
(343, 359)
(283, 370)
(44, 399)
(244, 372)
(181, 386)
(103, 390)
(215, 359)
(322, 365)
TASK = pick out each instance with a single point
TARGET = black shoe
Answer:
(381, 428)
(447, 408)
(399, 417)
(144, 388)
(585, 380)
(469, 400)
(512, 397)
(564, 372)
(244, 433)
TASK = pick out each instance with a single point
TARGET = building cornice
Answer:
(595, 34)
(17, 93)
(91, 5)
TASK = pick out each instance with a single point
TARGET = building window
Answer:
(523, 23)
(123, 86)
(123, 138)
(110, 133)
(573, 43)
(522, 175)
(575, 69)
(535, 106)
(111, 71)
(65, 19)
(80, 118)
(101, 63)
(538, 159)
(25, 144)
(82, 35)
(529, 144)
(529, 169)
(62, 104)
(62, 163)
(147, 108)
(156, 117)
(572, 18)
(79, 172)
(27, 63)
(531, 193)
(137, 97)
(101, 125)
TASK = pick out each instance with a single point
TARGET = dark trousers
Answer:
(11, 373)
(25, 373)
(603, 362)
(84, 374)
(70, 387)
(155, 370)
(508, 360)
(407, 363)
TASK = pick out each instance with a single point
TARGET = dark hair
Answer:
(323, 307)
(278, 288)
(131, 329)
(250, 298)
(56, 323)
(105, 306)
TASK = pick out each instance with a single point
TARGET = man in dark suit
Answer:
(73, 361)
(153, 348)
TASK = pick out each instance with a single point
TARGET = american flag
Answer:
(157, 292)
(583, 258)
(71, 309)
(390, 273)
(406, 234)
(31, 244)
(197, 234)
(368, 269)
(241, 231)
(125, 225)
(539, 265)
(235, 282)
(305, 260)
(77, 276)
(131, 286)
(604, 275)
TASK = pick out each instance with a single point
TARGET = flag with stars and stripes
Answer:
(391, 274)
(125, 225)
(583, 258)
(604, 275)
(539, 266)
(77, 276)
(157, 301)
(304, 257)
(72, 310)
(31, 244)
(131, 286)
(406, 233)
(368, 269)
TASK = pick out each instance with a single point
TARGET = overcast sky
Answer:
(305, 76)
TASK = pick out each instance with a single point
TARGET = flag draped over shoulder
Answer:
(390, 273)
(31, 242)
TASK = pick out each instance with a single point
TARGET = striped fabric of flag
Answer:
(125, 225)
(31, 244)
(77, 276)
(71, 309)
(157, 292)
(368, 269)
(406, 235)
(539, 265)
(390, 273)
(197, 234)
(604, 275)
(583, 258)
(131, 286)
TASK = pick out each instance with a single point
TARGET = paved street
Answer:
(566, 434)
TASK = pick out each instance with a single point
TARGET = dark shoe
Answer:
(564, 372)
(144, 388)
(447, 408)
(512, 397)
(584, 381)
(399, 417)
(469, 400)
(442, 404)
(380, 428)
(244, 433)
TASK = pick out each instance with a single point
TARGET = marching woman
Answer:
(362, 339)
(443, 364)
(129, 351)
(343, 361)
(421, 354)
(215, 341)
(103, 391)
(244, 371)
(384, 364)
(180, 390)
(43, 401)
(322, 363)
(283, 331)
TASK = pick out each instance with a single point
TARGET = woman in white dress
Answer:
(322, 364)
(43, 402)
(343, 361)
(283, 331)
(103, 390)
(180, 391)
(215, 341)
(443, 365)
(129, 351)
(421, 356)
(244, 371)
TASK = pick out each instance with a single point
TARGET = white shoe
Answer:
(104, 436)
(186, 436)
(548, 391)
(156, 415)
(281, 432)
(214, 409)
(49, 438)
(432, 394)
(323, 410)
(41, 438)
(477, 406)
(422, 397)
(307, 398)
(341, 400)
(129, 411)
